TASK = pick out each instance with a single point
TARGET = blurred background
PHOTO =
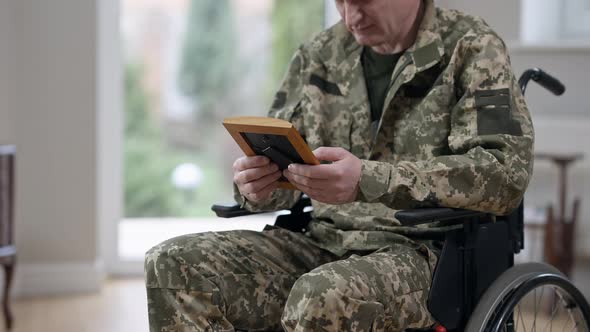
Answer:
(115, 109)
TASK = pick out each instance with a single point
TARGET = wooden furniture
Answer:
(7, 248)
(561, 226)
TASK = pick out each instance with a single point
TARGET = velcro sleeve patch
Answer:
(494, 113)
(498, 98)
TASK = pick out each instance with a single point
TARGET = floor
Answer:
(121, 307)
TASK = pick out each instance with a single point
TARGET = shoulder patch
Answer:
(324, 85)
(497, 98)
(494, 113)
(280, 100)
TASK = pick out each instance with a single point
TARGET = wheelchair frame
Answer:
(473, 256)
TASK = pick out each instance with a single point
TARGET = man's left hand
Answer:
(335, 183)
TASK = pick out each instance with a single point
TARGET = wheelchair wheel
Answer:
(531, 297)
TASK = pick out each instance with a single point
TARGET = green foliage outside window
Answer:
(150, 162)
(293, 23)
(207, 75)
(208, 57)
(148, 190)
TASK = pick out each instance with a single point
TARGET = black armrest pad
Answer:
(424, 216)
(303, 202)
(231, 211)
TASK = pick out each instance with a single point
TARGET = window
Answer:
(555, 20)
(576, 18)
(188, 65)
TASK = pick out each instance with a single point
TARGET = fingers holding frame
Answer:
(253, 174)
(248, 162)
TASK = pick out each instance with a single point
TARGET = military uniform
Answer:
(455, 131)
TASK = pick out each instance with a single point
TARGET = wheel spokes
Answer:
(549, 311)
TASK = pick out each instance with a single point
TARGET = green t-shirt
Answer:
(378, 69)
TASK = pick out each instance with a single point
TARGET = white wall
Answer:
(503, 15)
(7, 57)
(562, 123)
(54, 126)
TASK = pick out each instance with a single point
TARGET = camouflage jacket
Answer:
(455, 129)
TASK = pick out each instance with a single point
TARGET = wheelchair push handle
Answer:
(545, 80)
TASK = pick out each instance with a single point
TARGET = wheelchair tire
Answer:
(496, 309)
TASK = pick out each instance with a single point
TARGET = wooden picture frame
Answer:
(277, 139)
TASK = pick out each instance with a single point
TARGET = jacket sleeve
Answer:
(491, 143)
(286, 106)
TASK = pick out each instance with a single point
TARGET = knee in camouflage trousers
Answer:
(277, 279)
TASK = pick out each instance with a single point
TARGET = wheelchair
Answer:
(476, 287)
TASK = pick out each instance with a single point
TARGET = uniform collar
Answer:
(426, 51)
(428, 48)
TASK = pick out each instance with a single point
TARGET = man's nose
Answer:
(352, 14)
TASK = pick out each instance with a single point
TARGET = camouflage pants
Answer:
(279, 279)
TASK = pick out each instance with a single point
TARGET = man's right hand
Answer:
(256, 177)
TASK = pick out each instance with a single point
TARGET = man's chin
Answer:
(365, 40)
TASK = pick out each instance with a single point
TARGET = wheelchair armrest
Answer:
(231, 211)
(415, 217)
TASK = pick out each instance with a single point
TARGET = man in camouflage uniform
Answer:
(452, 130)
